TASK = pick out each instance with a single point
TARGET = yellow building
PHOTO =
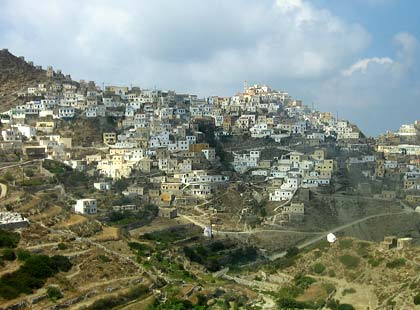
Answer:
(46, 127)
(198, 147)
(325, 166)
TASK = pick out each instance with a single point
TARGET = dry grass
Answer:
(31, 204)
(107, 234)
(49, 212)
(315, 292)
(74, 219)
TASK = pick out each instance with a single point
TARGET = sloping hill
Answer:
(16, 75)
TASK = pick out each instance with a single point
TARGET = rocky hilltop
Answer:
(15, 75)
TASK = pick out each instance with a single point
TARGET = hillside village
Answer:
(142, 174)
(162, 131)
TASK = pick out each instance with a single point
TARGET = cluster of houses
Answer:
(395, 156)
(297, 170)
(165, 132)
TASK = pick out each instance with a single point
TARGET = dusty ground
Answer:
(157, 224)
(108, 233)
(74, 219)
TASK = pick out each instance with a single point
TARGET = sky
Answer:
(358, 59)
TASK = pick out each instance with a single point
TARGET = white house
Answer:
(209, 154)
(102, 186)
(86, 206)
(281, 194)
(11, 134)
(66, 112)
(27, 131)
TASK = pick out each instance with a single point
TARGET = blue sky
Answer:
(382, 18)
(358, 58)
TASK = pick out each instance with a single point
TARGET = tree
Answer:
(54, 293)
(121, 184)
(8, 239)
(60, 263)
(292, 252)
(417, 299)
(22, 255)
(318, 268)
(9, 177)
(9, 254)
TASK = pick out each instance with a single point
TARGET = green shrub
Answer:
(290, 303)
(345, 307)
(349, 261)
(317, 254)
(318, 268)
(62, 246)
(29, 173)
(216, 255)
(8, 176)
(32, 275)
(141, 249)
(331, 273)
(375, 262)
(8, 239)
(104, 258)
(417, 299)
(115, 301)
(175, 304)
(105, 303)
(290, 291)
(332, 304)
(329, 288)
(363, 249)
(22, 254)
(33, 182)
(292, 252)
(54, 293)
(303, 281)
(413, 285)
(322, 245)
(9, 254)
(345, 243)
(396, 263)
(349, 291)
(281, 263)
(60, 263)
(137, 292)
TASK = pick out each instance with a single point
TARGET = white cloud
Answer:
(378, 93)
(362, 64)
(210, 47)
(202, 46)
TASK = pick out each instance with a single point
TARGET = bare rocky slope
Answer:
(16, 75)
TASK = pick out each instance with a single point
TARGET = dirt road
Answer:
(3, 190)
(337, 229)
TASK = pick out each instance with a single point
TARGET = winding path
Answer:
(20, 164)
(305, 244)
(3, 190)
